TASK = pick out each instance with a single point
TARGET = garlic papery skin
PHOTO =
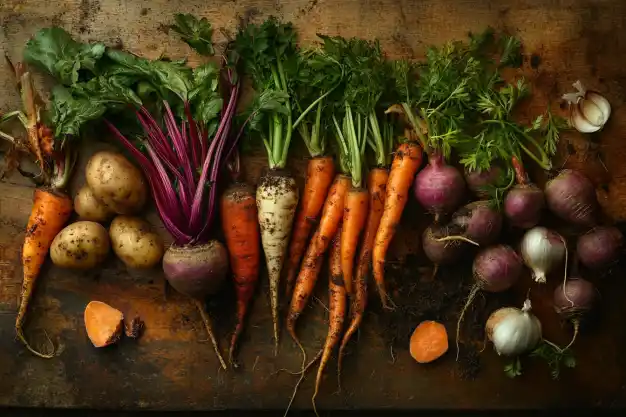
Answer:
(513, 331)
(589, 110)
(542, 249)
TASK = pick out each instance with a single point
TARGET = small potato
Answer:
(81, 245)
(89, 207)
(116, 182)
(135, 243)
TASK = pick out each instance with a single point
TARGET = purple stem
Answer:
(197, 200)
(157, 192)
(179, 146)
(151, 126)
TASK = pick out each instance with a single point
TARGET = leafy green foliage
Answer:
(555, 357)
(511, 54)
(101, 80)
(197, 33)
(514, 368)
(54, 50)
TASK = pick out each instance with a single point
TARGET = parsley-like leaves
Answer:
(197, 33)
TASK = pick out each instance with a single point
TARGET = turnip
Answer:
(600, 247)
(572, 197)
(573, 300)
(477, 180)
(524, 203)
(496, 269)
(479, 222)
(439, 187)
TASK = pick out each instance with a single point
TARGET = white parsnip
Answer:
(277, 198)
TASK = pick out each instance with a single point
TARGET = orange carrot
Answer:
(307, 277)
(429, 341)
(406, 162)
(241, 230)
(51, 210)
(376, 185)
(354, 216)
(104, 324)
(319, 176)
(336, 308)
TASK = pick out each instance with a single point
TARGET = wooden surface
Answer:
(173, 366)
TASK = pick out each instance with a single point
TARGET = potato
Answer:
(89, 207)
(135, 243)
(81, 245)
(116, 182)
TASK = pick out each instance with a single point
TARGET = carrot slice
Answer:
(104, 323)
(429, 341)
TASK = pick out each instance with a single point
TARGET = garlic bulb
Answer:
(542, 250)
(589, 110)
(513, 331)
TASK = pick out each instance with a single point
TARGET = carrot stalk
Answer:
(377, 183)
(336, 308)
(406, 162)
(51, 210)
(307, 277)
(241, 231)
(354, 217)
(319, 176)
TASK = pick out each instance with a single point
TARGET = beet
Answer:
(523, 206)
(578, 298)
(572, 197)
(497, 268)
(445, 252)
(196, 271)
(439, 187)
(479, 222)
(600, 247)
(476, 180)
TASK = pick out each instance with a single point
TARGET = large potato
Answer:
(116, 182)
(135, 243)
(81, 245)
(89, 207)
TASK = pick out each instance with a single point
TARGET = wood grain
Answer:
(172, 366)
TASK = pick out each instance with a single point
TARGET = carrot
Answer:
(307, 277)
(51, 210)
(319, 176)
(104, 324)
(429, 341)
(241, 230)
(406, 162)
(336, 308)
(377, 183)
(354, 216)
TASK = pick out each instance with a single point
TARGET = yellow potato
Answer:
(89, 207)
(81, 245)
(135, 243)
(116, 182)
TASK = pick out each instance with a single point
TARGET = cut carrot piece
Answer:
(104, 323)
(429, 341)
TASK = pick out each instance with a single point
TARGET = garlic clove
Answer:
(602, 104)
(592, 113)
(579, 122)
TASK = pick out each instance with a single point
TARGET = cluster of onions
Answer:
(589, 110)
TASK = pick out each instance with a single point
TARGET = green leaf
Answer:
(68, 114)
(268, 102)
(513, 369)
(511, 54)
(204, 97)
(197, 33)
(54, 50)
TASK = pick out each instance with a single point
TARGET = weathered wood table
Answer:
(172, 366)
